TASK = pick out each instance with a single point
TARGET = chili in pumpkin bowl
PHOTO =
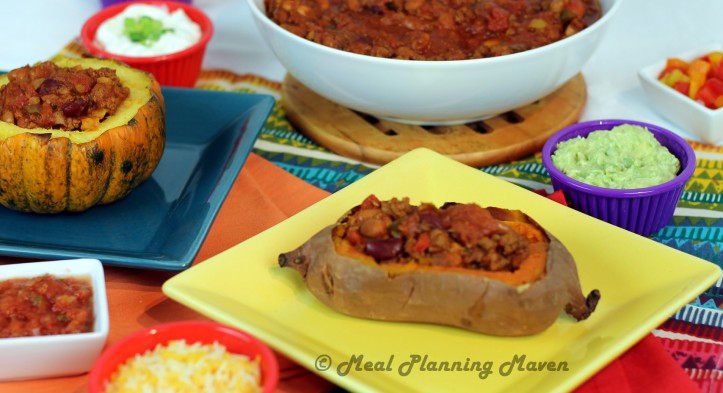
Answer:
(75, 133)
(435, 62)
(53, 318)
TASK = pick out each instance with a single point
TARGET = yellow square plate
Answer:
(641, 281)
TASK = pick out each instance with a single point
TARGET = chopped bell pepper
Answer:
(675, 76)
(717, 71)
(700, 79)
(698, 71)
(711, 90)
(715, 58)
(673, 64)
(682, 87)
(718, 103)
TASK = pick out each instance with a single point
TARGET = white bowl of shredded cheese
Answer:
(188, 356)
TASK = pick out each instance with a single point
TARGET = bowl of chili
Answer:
(53, 318)
(687, 89)
(179, 68)
(422, 65)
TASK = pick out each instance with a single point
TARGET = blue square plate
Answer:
(162, 223)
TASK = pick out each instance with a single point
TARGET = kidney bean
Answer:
(374, 9)
(432, 219)
(49, 86)
(76, 108)
(383, 249)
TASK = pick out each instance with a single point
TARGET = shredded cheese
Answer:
(181, 368)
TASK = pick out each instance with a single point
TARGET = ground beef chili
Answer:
(45, 305)
(52, 97)
(434, 29)
(455, 235)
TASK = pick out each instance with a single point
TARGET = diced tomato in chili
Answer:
(576, 7)
(354, 236)
(370, 202)
(423, 242)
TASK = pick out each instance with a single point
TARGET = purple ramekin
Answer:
(641, 210)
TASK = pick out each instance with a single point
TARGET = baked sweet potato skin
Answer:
(466, 300)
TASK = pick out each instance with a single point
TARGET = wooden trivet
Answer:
(506, 137)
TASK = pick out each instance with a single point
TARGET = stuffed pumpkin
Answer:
(75, 133)
(487, 270)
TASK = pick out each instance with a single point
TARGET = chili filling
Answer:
(454, 235)
(52, 97)
(434, 29)
(45, 305)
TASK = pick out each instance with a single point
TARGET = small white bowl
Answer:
(62, 354)
(693, 116)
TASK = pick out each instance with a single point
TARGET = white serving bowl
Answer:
(432, 92)
(62, 354)
(693, 116)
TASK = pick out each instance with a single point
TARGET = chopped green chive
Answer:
(144, 30)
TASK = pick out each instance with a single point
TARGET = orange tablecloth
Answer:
(262, 196)
(258, 200)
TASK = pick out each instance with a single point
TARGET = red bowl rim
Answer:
(87, 32)
(269, 364)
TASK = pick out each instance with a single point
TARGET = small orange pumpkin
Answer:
(51, 171)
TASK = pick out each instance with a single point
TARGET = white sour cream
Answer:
(185, 32)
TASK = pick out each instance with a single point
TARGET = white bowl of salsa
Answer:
(53, 318)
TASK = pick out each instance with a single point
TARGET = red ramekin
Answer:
(179, 69)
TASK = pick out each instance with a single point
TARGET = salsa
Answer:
(454, 235)
(52, 97)
(45, 305)
(434, 29)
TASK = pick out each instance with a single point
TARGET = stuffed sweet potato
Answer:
(487, 270)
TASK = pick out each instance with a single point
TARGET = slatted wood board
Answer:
(503, 138)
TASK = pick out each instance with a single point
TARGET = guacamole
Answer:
(625, 157)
